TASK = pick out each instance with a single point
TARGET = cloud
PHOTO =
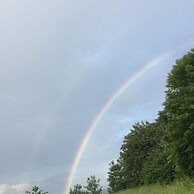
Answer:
(14, 189)
(61, 61)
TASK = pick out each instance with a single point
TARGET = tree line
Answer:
(93, 187)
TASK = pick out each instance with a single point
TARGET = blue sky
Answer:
(59, 63)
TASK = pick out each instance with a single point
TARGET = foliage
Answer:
(77, 190)
(115, 178)
(157, 169)
(179, 109)
(93, 185)
(36, 190)
(137, 145)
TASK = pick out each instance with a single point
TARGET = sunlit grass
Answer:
(179, 187)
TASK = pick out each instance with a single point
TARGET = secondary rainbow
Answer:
(105, 108)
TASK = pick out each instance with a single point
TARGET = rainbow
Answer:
(104, 110)
(143, 70)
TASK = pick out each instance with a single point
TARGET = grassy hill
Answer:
(184, 187)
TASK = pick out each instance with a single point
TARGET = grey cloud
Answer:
(14, 189)
(60, 61)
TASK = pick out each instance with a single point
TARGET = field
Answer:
(183, 187)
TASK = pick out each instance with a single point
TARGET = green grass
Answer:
(180, 187)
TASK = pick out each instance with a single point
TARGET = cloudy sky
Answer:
(60, 62)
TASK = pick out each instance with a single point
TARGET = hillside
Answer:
(176, 188)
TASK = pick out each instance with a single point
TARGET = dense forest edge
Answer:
(157, 157)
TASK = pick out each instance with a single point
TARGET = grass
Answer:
(179, 187)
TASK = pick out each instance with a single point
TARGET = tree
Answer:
(36, 190)
(115, 178)
(137, 145)
(93, 185)
(179, 110)
(158, 166)
(158, 169)
(77, 190)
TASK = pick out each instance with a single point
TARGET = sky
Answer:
(60, 62)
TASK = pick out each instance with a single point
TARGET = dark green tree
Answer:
(179, 111)
(137, 145)
(158, 169)
(93, 185)
(36, 190)
(115, 178)
(158, 166)
(77, 190)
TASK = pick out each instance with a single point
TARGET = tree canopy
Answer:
(36, 190)
(179, 108)
(92, 187)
